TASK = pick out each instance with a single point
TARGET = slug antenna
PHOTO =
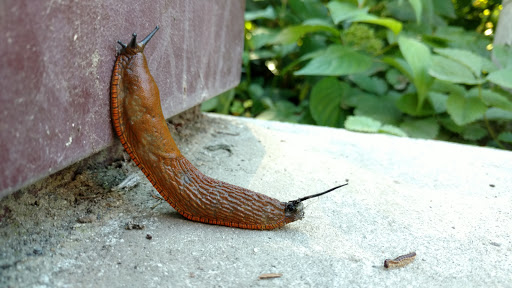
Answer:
(319, 194)
(122, 44)
(146, 40)
(133, 42)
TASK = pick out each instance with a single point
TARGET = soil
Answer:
(106, 191)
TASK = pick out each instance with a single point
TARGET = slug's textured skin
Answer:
(139, 122)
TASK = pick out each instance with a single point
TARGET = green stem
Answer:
(487, 124)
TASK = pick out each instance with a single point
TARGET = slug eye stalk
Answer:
(140, 46)
(292, 205)
(319, 194)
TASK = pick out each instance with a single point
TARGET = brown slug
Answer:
(139, 122)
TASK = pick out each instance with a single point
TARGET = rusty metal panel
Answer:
(56, 60)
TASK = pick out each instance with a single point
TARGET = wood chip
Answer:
(270, 275)
(130, 182)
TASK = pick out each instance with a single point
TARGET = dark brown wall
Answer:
(56, 60)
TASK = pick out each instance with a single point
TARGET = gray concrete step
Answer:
(449, 203)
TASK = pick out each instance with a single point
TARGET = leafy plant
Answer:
(405, 68)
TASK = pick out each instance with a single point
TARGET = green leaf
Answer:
(209, 105)
(401, 65)
(255, 91)
(291, 34)
(267, 13)
(261, 37)
(325, 101)
(450, 70)
(396, 79)
(401, 11)
(475, 63)
(473, 132)
(505, 137)
(447, 87)
(318, 22)
(427, 20)
(311, 55)
(419, 58)
(337, 60)
(422, 128)
(306, 9)
(392, 130)
(416, 5)
(408, 103)
(465, 110)
(283, 111)
(438, 101)
(390, 23)
(503, 55)
(362, 124)
(491, 98)
(444, 8)
(502, 77)
(237, 108)
(304, 57)
(225, 100)
(448, 123)
(341, 11)
(262, 54)
(458, 37)
(379, 108)
(498, 114)
(220, 103)
(354, 97)
(375, 85)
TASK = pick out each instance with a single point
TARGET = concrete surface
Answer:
(450, 203)
(56, 67)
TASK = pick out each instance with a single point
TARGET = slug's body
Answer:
(140, 124)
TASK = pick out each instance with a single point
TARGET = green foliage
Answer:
(361, 37)
(417, 55)
(406, 68)
(337, 60)
(325, 101)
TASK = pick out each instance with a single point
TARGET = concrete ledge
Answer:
(450, 203)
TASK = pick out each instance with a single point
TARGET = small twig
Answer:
(269, 275)
(160, 200)
(227, 133)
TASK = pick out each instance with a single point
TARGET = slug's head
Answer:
(294, 210)
(133, 47)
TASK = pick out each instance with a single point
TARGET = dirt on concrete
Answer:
(105, 192)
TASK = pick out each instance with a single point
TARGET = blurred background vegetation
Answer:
(413, 68)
